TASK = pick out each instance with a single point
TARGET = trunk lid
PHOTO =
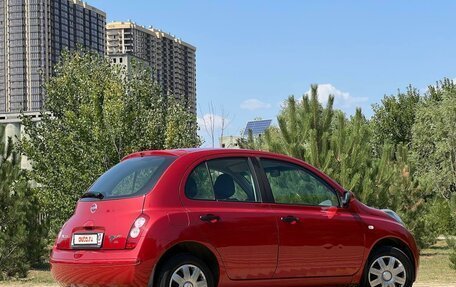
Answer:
(111, 218)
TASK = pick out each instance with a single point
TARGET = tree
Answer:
(434, 139)
(21, 230)
(434, 152)
(328, 140)
(304, 129)
(95, 115)
(180, 130)
(393, 119)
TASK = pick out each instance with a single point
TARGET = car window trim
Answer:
(256, 185)
(265, 188)
(318, 178)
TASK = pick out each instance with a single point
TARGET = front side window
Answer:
(227, 179)
(292, 184)
(132, 177)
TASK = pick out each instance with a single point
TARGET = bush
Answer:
(21, 233)
(452, 244)
(453, 259)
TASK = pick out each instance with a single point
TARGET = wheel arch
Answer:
(399, 244)
(194, 248)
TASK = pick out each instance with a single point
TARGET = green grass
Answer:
(434, 269)
(435, 265)
(36, 277)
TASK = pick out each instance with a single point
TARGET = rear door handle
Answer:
(290, 219)
(211, 218)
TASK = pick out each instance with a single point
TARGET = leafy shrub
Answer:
(453, 258)
(452, 244)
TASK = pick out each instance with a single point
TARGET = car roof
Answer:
(201, 151)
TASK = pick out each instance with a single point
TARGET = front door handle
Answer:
(211, 218)
(290, 219)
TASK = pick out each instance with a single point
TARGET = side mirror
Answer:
(346, 199)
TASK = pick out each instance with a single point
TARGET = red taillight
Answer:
(136, 230)
(63, 240)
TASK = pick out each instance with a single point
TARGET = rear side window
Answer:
(227, 179)
(292, 184)
(199, 184)
(132, 177)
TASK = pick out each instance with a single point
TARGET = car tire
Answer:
(182, 269)
(388, 265)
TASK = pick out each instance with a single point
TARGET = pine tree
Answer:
(342, 148)
(304, 129)
(21, 237)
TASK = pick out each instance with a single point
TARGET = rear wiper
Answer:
(92, 194)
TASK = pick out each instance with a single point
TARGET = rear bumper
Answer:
(99, 268)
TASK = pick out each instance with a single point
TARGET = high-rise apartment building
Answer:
(172, 60)
(33, 33)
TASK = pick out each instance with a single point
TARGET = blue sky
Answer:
(254, 54)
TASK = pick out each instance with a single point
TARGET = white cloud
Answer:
(341, 99)
(208, 120)
(254, 104)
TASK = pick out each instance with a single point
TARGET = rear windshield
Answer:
(132, 177)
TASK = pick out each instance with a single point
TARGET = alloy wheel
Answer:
(188, 276)
(387, 271)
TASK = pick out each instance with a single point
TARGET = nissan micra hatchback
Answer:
(206, 218)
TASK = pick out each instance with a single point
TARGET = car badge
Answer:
(113, 237)
(93, 208)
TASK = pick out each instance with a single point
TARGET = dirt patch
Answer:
(433, 285)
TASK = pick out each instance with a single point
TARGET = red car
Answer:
(217, 217)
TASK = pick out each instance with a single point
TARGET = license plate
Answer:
(87, 240)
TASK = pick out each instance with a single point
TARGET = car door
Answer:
(318, 238)
(223, 201)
